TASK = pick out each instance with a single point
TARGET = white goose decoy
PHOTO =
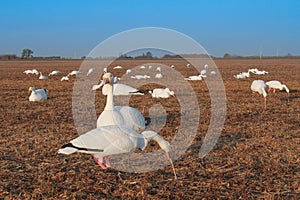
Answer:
(37, 95)
(118, 115)
(158, 75)
(109, 116)
(263, 72)
(258, 72)
(238, 76)
(34, 71)
(203, 72)
(65, 78)
(28, 71)
(260, 87)
(128, 71)
(111, 140)
(118, 67)
(42, 76)
(246, 74)
(105, 69)
(55, 72)
(91, 70)
(162, 93)
(195, 78)
(253, 70)
(277, 85)
(138, 77)
(242, 75)
(213, 73)
(74, 73)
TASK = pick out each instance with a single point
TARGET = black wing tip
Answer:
(147, 121)
(67, 145)
(80, 148)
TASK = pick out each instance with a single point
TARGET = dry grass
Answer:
(256, 157)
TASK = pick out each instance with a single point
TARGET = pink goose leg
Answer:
(100, 162)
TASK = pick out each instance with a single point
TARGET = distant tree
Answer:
(149, 55)
(26, 53)
(227, 55)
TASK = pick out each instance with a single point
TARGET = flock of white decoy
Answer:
(261, 86)
(203, 74)
(121, 129)
(247, 74)
(55, 72)
(119, 89)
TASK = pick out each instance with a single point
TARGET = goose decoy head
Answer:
(31, 89)
(108, 78)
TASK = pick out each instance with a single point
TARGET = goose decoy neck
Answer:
(151, 135)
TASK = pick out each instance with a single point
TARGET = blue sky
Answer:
(72, 28)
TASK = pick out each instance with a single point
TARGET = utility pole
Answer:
(260, 53)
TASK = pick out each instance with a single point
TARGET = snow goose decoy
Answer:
(260, 87)
(138, 77)
(162, 93)
(195, 78)
(105, 69)
(55, 72)
(74, 73)
(118, 67)
(91, 70)
(277, 85)
(128, 71)
(28, 71)
(258, 72)
(37, 95)
(65, 78)
(34, 71)
(31, 72)
(109, 116)
(203, 73)
(118, 115)
(158, 75)
(263, 72)
(213, 73)
(42, 76)
(105, 141)
(242, 75)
